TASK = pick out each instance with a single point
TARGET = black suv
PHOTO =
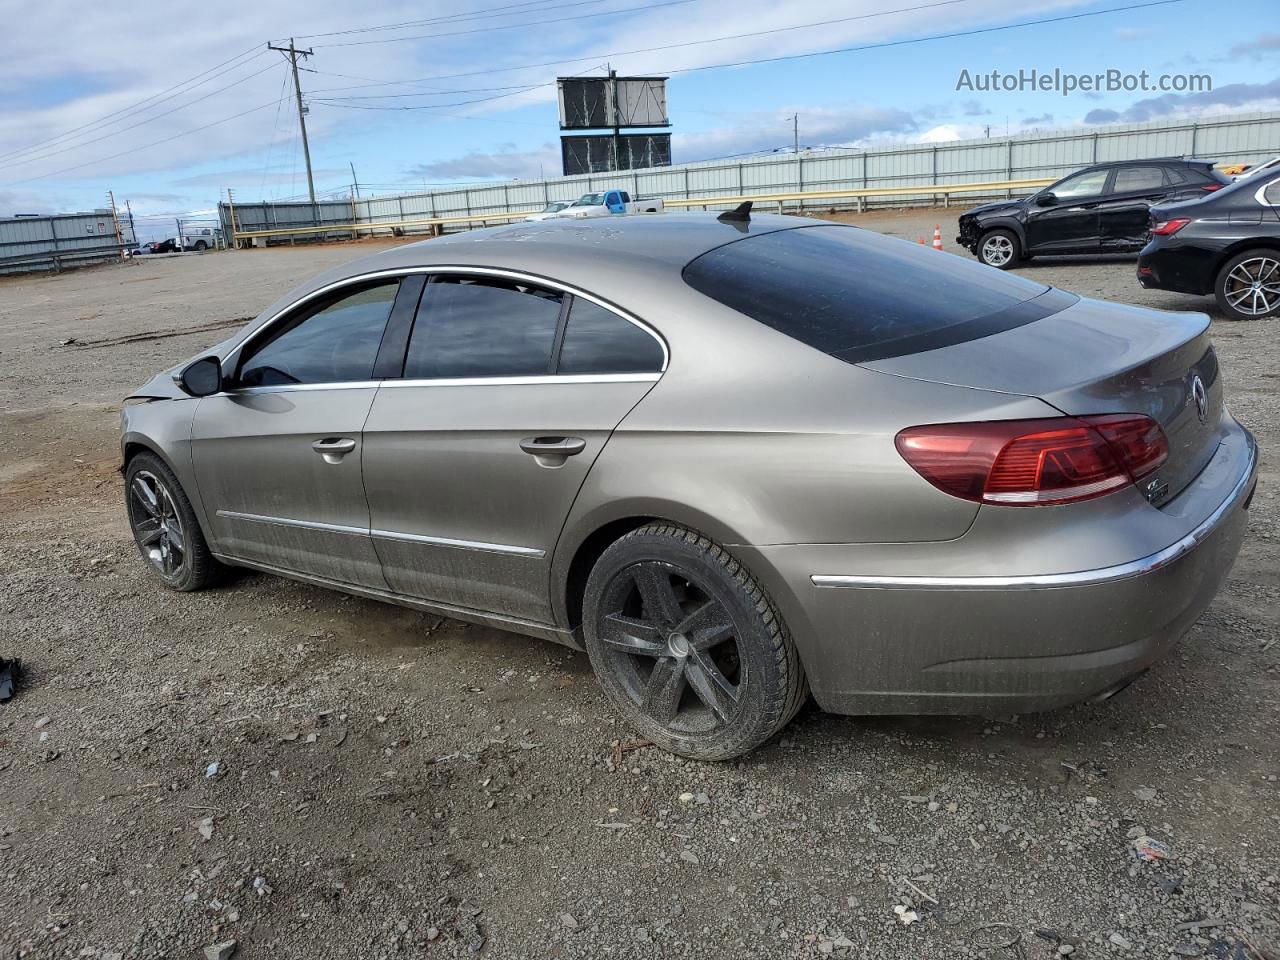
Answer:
(1226, 244)
(1100, 209)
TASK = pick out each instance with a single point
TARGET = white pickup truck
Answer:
(609, 203)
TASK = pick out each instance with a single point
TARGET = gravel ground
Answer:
(390, 784)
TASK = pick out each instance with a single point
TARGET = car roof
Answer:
(1183, 161)
(605, 255)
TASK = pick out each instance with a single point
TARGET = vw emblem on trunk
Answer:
(1200, 397)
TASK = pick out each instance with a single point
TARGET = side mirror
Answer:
(202, 378)
(1046, 200)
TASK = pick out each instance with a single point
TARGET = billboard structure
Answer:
(613, 103)
(600, 153)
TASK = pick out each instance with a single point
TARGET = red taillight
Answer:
(1210, 187)
(1168, 227)
(1034, 462)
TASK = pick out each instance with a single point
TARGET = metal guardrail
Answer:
(939, 189)
(55, 260)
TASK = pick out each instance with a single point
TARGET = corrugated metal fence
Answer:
(1227, 138)
(61, 240)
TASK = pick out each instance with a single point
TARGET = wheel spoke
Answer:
(660, 601)
(706, 626)
(146, 497)
(711, 686)
(149, 531)
(1240, 275)
(630, 635)
(1235, 299)
(662, 693)
(176, 538)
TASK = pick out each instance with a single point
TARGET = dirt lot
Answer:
(392, 785)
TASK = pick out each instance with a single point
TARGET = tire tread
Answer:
(786, 699)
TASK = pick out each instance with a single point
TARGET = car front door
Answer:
(1069, 224)
(277, 454)
(1126, 210)
(473, 459)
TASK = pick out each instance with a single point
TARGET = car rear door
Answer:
(1126, 210)
(1070, 224)
(277, 454)
(473, 458)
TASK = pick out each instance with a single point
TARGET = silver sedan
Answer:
(739, 460)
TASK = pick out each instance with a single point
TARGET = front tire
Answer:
(999, 249)
(1248, 285)
(687, 646)
(164, 526)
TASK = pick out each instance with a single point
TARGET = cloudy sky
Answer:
(170, 104)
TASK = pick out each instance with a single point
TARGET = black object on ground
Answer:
(10, 670)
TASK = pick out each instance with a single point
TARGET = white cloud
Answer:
(113, 55)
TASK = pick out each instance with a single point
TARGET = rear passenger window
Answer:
(476, 327)
(597, 340)
(1138, 178)
(1272, 194)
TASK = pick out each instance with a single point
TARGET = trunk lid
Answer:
(1096, 358)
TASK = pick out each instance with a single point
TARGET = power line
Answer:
(687, 43)
(803, 56)
(275, 127)
(115, 133)
(430, 106)
(453, 18)
(512, 26)
(141, 105)
(147, 146)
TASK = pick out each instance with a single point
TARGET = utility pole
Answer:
(617, 120)
(231, 211)
(293, 54)
(795, 132)
(131, 228)
(355, 183)
(115, 220)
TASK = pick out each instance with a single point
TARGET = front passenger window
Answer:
(1084, 185)
(336, 343)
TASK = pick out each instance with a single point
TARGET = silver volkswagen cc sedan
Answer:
(738, 460)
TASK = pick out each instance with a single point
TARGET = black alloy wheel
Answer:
(687, 645)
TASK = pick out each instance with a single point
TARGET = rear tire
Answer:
(1000, 249)
(165, 528)
(687, 646)
(1248, 285)
(201, 246)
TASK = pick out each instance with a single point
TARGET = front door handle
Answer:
(552, 451)
(562, 446)
(333, 449)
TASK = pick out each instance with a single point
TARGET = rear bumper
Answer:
(1176, 268)
(919, 642)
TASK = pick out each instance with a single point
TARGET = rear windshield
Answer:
(858, 295)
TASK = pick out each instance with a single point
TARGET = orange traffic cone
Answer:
(937, 236)
(922, 243)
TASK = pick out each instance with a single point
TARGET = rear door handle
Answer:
(333, 449)
(553, 446)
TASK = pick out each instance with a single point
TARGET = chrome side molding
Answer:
(502, 548)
